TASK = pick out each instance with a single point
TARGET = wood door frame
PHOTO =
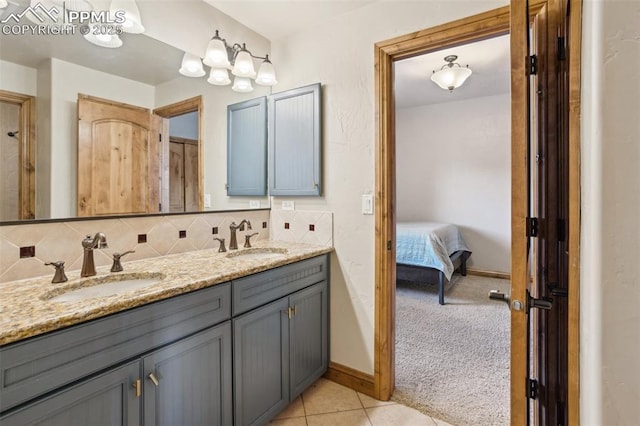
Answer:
(27, 175)
(485, 25)
(179, 108)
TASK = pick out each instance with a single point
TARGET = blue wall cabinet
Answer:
(247, 147)
(295, 142)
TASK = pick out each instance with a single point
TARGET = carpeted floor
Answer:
(452, 361)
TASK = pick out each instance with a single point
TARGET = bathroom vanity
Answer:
(216, 348)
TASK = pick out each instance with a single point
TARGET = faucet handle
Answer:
(117, 265)
(222, 248)
(59, 276)
(247, 239)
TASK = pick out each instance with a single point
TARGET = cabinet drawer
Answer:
(264, 287)
(41, 364)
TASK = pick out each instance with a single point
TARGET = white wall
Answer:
(453, 165)
(610, 258)
(339, 54)
(214, 122)
(67, 81)
(184, 126)
(17, 78)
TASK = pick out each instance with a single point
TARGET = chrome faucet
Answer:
(233, 244)
(88, 244)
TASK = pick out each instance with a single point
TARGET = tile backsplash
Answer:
(164, 235)
(310, 227)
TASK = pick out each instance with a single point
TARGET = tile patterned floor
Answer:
(327, 403)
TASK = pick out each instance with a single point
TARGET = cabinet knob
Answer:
(154, 379)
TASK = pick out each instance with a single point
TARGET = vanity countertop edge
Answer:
(25, 312)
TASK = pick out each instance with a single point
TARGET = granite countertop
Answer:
(26, 308)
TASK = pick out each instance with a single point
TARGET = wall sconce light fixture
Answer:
(222, 57)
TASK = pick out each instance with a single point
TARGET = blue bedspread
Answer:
(428, 244)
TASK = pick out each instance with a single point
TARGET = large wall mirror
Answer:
(57, 70)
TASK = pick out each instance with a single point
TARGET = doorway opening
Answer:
(181, 169)
(516, 20)
(453, 203)
(17, 154)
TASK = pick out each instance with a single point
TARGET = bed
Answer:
(429, 252)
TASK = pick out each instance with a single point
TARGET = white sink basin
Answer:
(109, 285)
(259, 253)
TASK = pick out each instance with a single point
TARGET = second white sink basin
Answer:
(104, 286)
(259, 253)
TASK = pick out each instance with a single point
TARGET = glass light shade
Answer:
(451, 78)
(220, 77)
(104, 40)
(216, 54)
(3, 4)
(243, 66)
(132, 21)
(242, 85)
(191, 66)
(266, 74)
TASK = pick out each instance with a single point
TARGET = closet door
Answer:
(295, 142)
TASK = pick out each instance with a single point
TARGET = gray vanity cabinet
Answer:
(281, 347)
(106, 399)
(189, 382)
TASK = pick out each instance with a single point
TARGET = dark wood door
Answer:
(550, 173)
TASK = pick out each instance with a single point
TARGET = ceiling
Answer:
(488, 59)
(274, 19)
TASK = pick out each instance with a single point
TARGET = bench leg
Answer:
(441, 288)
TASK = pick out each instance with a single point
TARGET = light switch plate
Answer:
(288, 205)
(254, 204)
(207, 201)
(367, 204)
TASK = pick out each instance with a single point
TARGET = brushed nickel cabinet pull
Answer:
(154, 379)
(137, 385)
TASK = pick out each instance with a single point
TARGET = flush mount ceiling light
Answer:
(3, 4)
(451, 75)
(222, 57)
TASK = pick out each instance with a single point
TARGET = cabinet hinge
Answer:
(532, 388)
(159, 207)
(159, 137)
(532, 65)
(389, 245)
(533, 226)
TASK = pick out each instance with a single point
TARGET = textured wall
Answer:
(454, 166)
(339, 54)
(610, 278)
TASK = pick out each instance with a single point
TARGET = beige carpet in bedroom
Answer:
(452, 361)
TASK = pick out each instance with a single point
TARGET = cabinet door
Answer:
(308, 337)
(108, 399)
(247, 148)
(261, 363)
(295, 142)
(189, 382)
